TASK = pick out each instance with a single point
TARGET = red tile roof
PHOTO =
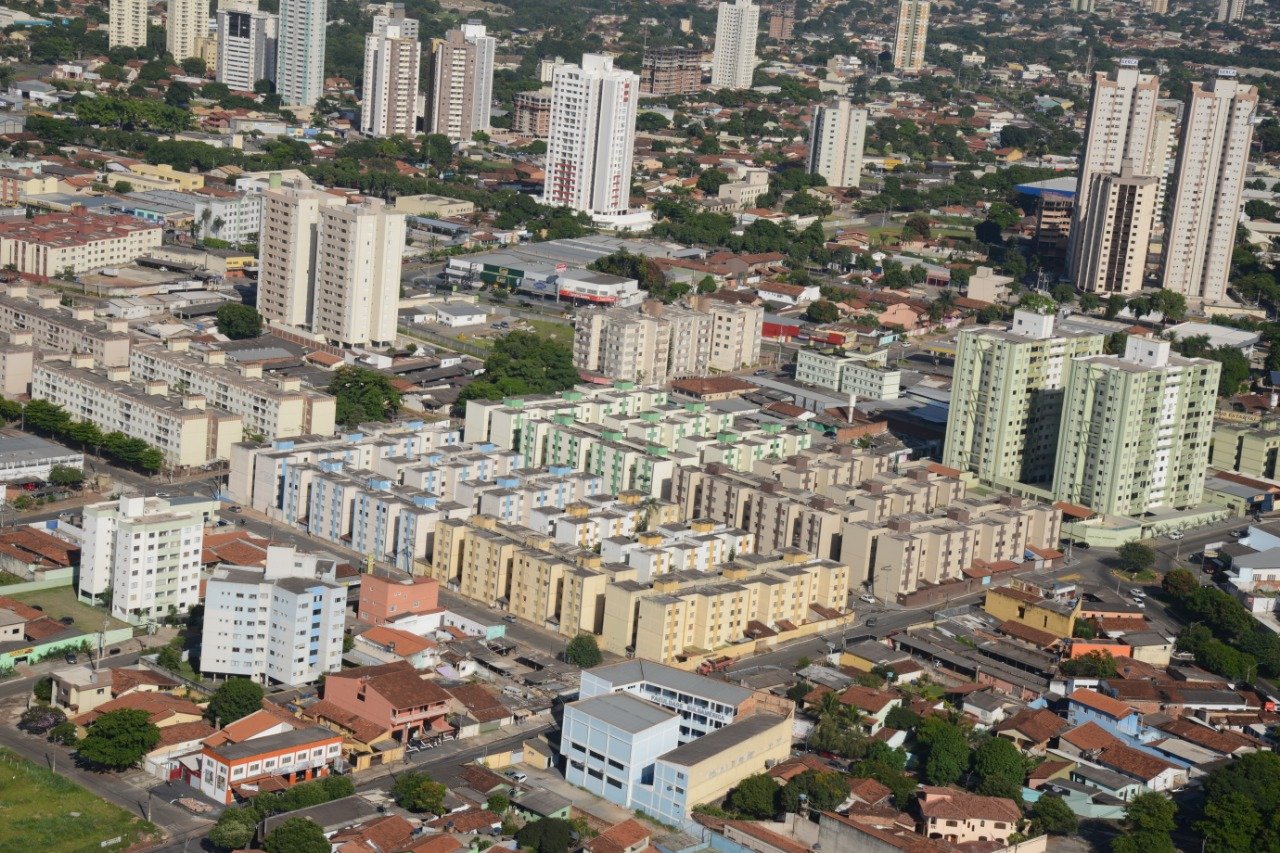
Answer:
(1037, 726)
(954, 804)
(1103, 704)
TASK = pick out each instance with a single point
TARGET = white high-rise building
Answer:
(392, 59)
(1213, 155)
(144, 552)
(1230, 11)
(1113, 251)
(836, 141)
(188, 21)
(913, 35)
(593, 123)
(462, 82)
(357, 273)
(127, 23)
(733, 64)
(277, 624)
(287, 252)
(300, 52)
(246, 45)
(1122, 122)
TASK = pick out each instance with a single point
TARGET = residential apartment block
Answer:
(656, 342)
(532, 114)
(836, 142)
(187, 22)
(1136, 430)
(733, 63)
(1118, 226)
(288, 248)
(865, 375)
(63, 330)
(247, 44)
(591, 139)
(145, 553)
(271, 408)
(392, 56)
(1121, 129)
(461, 82)
(948, 538)
(52, 244)
(127, 23)
(182, 426)
(913, 35)
(633, 437)
(356, 279)
(300, 52)
(1208, 186)
(1006, 399)
(670, 71)
(684, 613)
(281, 623)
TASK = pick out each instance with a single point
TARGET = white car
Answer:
(1142, 605)
(1176, 535)
(1137, 593)
(867, 599)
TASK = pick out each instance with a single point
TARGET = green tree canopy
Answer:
(755, 796)
(1136, 557)
(297, 835)
(238, 321)
(1149, 818)
(524, 363)
(583, 652)
(822, 791)
(363, 395)
(1179, 583)
(946, 750)
(1000, 769)
(118, 740)
(1052, 816)
(546, 835)
(235, 698)
(418, 792)
(65, 475)
(822, 311)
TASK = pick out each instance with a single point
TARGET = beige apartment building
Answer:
(271, 408)
(696, 612)
(127, 23)
(891, 553)
(1249, 449)
(17, 360)
(179, 424)
(357, 273)
(287, 246)
(532, 114)
(187, 25)
(63, 330)
(57, 243)
(1118, 226)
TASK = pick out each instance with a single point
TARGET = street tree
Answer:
(235, 698)
(118, 739)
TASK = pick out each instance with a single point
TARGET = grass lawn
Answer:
(37, 808)
(561, 332)
(62, 601)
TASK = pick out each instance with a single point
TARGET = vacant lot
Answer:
(62, 601)
(40, 810)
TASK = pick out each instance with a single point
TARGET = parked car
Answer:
(71, 658)
(1142, 605)
(1137, 593)
(867, 598)
(1176, 535)
(870, 623)
(509, 619)
(517, 777)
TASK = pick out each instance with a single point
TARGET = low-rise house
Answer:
(959, 817)
(392, 694)
(272, 762)
(161, 709)
(1085, 706)
(874, 705)
(1031, 730)
(81, 689)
